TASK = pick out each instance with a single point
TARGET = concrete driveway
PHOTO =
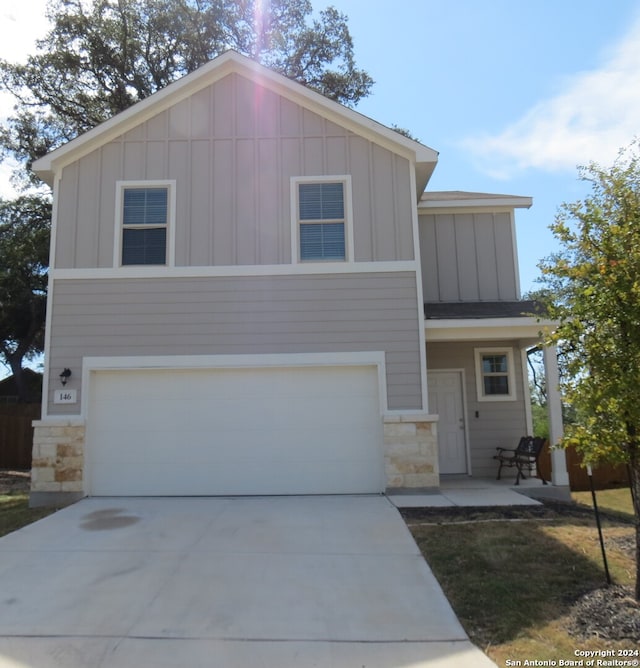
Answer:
(274, 582)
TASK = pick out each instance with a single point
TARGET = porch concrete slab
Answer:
(288, 581)
(420, 501)
(488, 497)
(469, 492)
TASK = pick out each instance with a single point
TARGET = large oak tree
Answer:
(24, 254)
(101, 57)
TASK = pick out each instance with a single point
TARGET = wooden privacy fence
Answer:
(604, 475)
(16, 434)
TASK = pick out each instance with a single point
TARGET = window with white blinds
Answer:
(321, 221)
(144, 225)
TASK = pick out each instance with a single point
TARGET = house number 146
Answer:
(65, 397)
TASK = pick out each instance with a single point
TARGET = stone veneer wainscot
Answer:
(411, 451)
(58, 462)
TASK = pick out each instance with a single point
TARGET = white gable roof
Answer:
(230, 62)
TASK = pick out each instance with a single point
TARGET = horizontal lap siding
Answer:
(248, 315)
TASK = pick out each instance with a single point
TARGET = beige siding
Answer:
(490, 424)
(249, 315)
(232, 149)
(468, 257)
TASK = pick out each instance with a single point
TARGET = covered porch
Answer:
(466, 491)
(478, 385)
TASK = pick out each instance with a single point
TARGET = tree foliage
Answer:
(101, 57)
(24, 256)
(593, 291)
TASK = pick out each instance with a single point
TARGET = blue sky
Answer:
(514, 95)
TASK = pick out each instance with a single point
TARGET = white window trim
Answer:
(481, 396)
(348, 217)
(170, 185)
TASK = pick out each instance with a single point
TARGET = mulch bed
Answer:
(14, 482)
(549, 510)
(610, 613)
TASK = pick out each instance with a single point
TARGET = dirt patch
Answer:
(14, 482)
(626, 544)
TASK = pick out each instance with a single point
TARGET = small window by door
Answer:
(495, 379)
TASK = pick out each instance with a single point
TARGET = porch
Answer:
(478, 384)
(467, 491)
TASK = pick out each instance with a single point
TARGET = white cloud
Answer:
(595, 116)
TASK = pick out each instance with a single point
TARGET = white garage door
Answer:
(294, 430)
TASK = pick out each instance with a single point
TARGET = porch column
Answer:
(559, 474)
(526, 391)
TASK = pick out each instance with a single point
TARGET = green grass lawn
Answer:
(513, 583)
(15, 512)
(616, 500)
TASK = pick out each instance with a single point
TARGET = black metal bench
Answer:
(524, 457)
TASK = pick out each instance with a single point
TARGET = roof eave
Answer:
(514, 202)
(424, 171)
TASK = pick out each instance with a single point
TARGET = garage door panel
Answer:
(193, 446)
(179, 414)
(237, 477)
(297, 478)
(235, 431)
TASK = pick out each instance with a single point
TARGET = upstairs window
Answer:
(145, 219)
(321, 215)
(495, 374)
(144, 226)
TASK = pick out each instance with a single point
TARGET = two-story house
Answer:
(252, 293)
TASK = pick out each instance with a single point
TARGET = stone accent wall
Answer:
(411, 451)
(58, 457)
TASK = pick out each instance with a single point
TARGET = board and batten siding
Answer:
(468, 257)
(490, 424)
(232, 149)
(239, 315)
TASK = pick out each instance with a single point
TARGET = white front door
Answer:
(445, 399)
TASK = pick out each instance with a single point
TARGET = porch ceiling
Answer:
(484, 321)
(527, 330)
